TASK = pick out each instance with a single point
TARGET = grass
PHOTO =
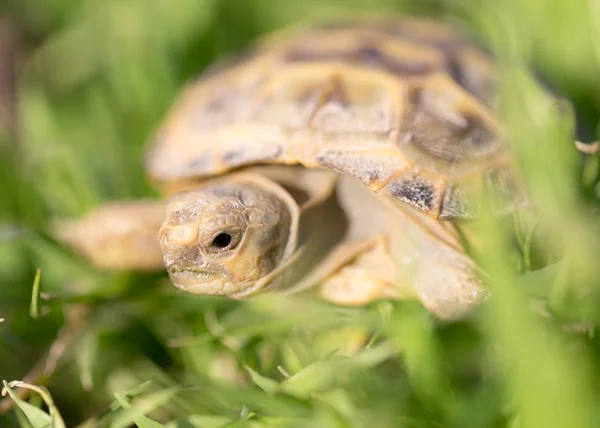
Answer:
(127, 349)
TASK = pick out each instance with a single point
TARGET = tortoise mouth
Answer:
(198, 274)
(184, 278)
(202, 281)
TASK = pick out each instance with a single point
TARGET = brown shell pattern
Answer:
(405, 106)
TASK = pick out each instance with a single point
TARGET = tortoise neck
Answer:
(321, 228)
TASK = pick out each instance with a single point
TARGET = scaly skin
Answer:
(223, 239)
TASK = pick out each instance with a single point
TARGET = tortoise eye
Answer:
(222, 240)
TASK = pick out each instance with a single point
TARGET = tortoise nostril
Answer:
(164, 235)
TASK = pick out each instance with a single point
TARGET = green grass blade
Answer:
(37, 417)
(137, 413)
(34, 309)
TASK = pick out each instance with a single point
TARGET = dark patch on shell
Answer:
(201, 163)
(219, 102)
(445, 140)
(233, 157)
(366, 55)
(478, 84)
(399, 29)
(337, 94)
(447, 45)
(455, 70)
(413, 191)
(244, 154)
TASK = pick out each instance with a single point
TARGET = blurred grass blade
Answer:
(209, 421)
(85, 355)
(137, 413)
(528, 242)
(268, 385)
(315, 377)
(34, 309)
(37, 417)
(141, 421)
(128, 396)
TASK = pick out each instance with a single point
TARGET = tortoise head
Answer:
(228, 237)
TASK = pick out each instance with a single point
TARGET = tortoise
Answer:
(338, 157)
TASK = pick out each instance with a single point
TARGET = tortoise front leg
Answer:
(366, 273)
(116, 235)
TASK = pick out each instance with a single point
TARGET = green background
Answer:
(95, 77)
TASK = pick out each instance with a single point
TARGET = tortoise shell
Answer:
(403, 105)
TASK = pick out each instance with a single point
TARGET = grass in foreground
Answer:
(133, 351)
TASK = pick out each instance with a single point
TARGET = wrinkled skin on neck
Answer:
(228, 237)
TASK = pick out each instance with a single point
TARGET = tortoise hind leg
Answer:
(432, 259)
(440, 275)
(404, 254)
(116, 235)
